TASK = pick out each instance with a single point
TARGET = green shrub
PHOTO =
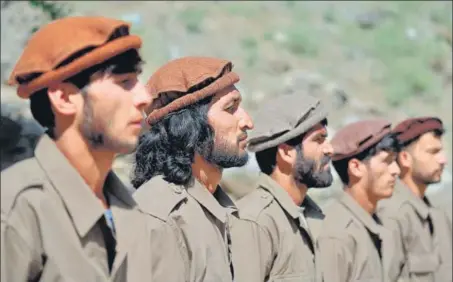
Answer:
(302, 41)
(193, 18)
(250, 46)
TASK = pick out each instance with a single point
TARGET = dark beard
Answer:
(305, 171)
(224, 157)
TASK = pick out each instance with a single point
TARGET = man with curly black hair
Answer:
(197, 128)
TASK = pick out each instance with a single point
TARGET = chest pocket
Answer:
(424, 263)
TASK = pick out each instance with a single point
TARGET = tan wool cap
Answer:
(47, 56)
(283, 118)
(184, 81)
(356, 137)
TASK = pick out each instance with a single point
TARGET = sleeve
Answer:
(252, 251)
(404, 223)
(401, 228)
(156, 254)
(335, 259)
(18, 260)
(396, 267)
(169, 254)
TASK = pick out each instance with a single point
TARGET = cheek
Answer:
(379, 174)
(224, 125)
(114, 113)
(424, 163)
(311, 151)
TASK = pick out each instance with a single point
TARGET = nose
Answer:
(395, 169)
(442, 158)
(245, 121)
(142, 99)
(328, 148)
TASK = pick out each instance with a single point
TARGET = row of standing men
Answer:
(65, 216)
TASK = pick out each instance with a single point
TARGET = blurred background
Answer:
(367, 59)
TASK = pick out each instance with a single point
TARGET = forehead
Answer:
(227, 94)
(382, 157)
(428, 140)
(318, 128)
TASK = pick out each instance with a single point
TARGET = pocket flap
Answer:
(423, 263)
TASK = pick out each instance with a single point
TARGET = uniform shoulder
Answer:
(159, 198)
(254, 204)
(22, 176)
(393, 207)
(337, 220)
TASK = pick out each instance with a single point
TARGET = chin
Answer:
(387, 193)
(128, 147)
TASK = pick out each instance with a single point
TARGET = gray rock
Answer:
(371, 19)
(316, 85)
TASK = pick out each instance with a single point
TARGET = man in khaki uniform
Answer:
(65, 216)
(274, 240)
(353, 245)
(197, 128)
(425, 231)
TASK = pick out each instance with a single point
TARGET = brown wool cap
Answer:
(356, 137)
(414, 127)
(284, 117)
(184, 81)
(59, 40)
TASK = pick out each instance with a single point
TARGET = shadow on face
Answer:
(112, 112)
(312, 164)
(427, 159)
(230, 123)
(380, 173)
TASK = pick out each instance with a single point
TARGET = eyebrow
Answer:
(322, 133)
(233, 100)
(434, 148)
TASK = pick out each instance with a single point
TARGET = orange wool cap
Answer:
(67, 46)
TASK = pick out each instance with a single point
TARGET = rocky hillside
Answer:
(366, 59)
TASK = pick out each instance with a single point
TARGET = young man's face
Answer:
(113, 108)
(230, 123)
(382, 172)
(312, 165)
(427, 159)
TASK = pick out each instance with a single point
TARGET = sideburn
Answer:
(95, 138)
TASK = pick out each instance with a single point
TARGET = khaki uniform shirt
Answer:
(424, 232)
(52, 224)
(273, 241)
(353, 246)
(196, 224)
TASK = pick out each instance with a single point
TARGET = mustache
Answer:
(325, 160)
(243, 136)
